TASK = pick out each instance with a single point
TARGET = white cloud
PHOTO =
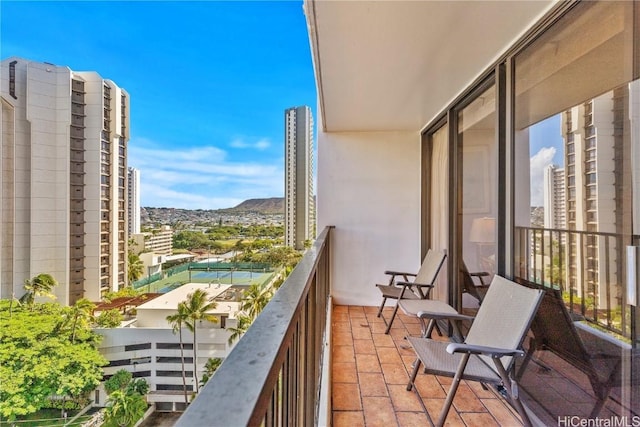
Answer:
(261, 144)
(537, 165)
(200, 177)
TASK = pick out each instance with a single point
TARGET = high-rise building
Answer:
(63, 181)
(133, 200)
(555, 208)
(596, 169)
(299, 209)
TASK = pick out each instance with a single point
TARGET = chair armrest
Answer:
(399, 273)
(480, 349)
(480, 275)
(421, 285)
(438, 315)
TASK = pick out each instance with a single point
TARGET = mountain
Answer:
(273, 205)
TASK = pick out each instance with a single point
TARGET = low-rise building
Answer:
(149, 348)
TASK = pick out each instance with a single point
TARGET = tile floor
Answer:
(370, 371)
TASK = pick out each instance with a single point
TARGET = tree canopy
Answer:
(42, 354)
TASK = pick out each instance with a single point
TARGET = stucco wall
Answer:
(369, 189)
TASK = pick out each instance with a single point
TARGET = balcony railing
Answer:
(588, 267)
(272, 376)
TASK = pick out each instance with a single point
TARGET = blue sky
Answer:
(546, 147)
(208, 81)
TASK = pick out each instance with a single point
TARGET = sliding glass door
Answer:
(577, 206)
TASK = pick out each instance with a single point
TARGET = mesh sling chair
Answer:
(488, 351)
(442, 310)
(553, 330)
(420, 288)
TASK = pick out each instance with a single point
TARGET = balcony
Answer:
(280, 372)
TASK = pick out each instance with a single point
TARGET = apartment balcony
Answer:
(308, 361)
(289, 370)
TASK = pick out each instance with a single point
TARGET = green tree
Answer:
(138, 385)
(197, 304)
(109, 319)
(118, 381)
(124, 409)
(243, 323)
(81, 316)
(210, 368)
(38, 359)
(177, 321)
(40, 285)
(255, 298)
(135, 269)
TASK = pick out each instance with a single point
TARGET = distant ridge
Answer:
(273, 205)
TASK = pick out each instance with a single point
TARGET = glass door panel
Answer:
(575, 162)
(478, 207)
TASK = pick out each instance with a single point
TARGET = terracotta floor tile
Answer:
(434, 406)
(389, 355)
(394, 373)
(364, 346)
(472, 419)
(361, 332)
(367, 363)
(348, 419)
(342, 337)
(404, 400)
(370, 371)
(346, 397)
(372, 317)
(428, 387)
(504, 415)
(372, 384)
(405, 349)
(377, 327)
(341, 326)
(340, 309)
(378, 412)
(398, 334)
(344, 372)
(382, 340)
(481, 392)
(414, 329)
(343, 353)
(406, 319)
(355, 311)
(408, 362)
(466, 400)
(412, 419)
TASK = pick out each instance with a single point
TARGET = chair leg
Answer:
(511, 386)
(414, 374)
(384, 300)
(452, 391)
(393, 316)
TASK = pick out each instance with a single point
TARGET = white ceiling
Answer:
(394, 65)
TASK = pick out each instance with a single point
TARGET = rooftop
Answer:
(170, 300)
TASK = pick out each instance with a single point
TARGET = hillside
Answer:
(273, 205)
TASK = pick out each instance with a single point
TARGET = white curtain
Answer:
(439, 205)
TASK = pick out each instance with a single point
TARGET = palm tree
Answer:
(197, 304)
(255, 299)
(243, 324)
(40, 285)
(81, 313)
(136, 267)
(177, 320)
(124, 409)
(210, 368)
